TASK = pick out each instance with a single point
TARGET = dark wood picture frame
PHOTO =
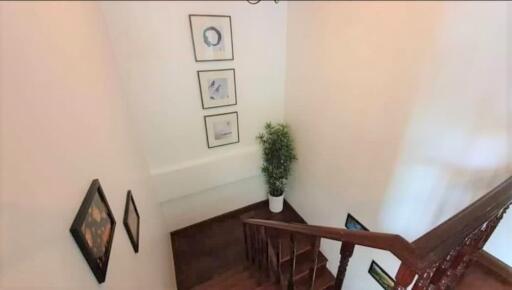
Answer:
(215, 115)
(194, 44)
(201, 87)
(133, 234)
(98, 265)
(374, 266)
(350, 218)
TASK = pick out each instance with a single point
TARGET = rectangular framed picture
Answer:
(381, 276)
(93, 230)
(131, 221)
(221, 129)
(217, 88)
(351, 223)
(211, 37)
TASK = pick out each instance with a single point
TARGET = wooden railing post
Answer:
(346, 251)
(293, 252)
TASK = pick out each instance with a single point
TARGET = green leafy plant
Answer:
(278, 156)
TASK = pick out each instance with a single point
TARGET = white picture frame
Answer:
(217, 88)
(211, 37)
(221, 129)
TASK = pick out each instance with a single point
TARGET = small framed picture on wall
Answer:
(211, 37)
(217, 88)
(351, 223)
(381, 276)
(93, 230)
(131, 221)
(221, 129)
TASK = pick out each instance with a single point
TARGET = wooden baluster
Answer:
(404, 277)
(279, 258)
(246, 242)
(316, 250)
(293, 252)
(260, 247)
(346, 251)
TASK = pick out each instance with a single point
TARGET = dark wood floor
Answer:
(215, 246)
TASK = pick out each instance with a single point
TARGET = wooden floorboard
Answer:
(214, 246)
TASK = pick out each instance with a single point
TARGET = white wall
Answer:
(400, 117)
(63, 122)
(154, 52)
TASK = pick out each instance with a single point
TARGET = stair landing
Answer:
(211, 248)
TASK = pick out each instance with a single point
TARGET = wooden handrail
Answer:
(395, 244)
(437, 243)
(438, 258)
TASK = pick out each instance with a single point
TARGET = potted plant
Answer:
(278, 156)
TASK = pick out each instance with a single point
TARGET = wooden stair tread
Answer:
(303, 244)
(243, 277)
(303, 265)
(324, 280)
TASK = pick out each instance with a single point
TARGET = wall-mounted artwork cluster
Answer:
(94, 225)
(212, 39)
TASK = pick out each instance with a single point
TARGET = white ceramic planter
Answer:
(275, 204)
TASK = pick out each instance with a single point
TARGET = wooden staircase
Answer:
(435, 261)
(284, 255)
(253, 276)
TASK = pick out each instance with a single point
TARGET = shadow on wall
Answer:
(457, 145)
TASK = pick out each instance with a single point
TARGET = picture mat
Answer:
(222, 95)
(222, 129)
(221, 23)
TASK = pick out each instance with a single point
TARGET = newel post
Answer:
(404, 277)
(346, 251)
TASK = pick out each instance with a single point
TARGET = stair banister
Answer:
(438, 258)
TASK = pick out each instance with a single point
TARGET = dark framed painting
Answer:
(131, 221)
(217, 88)
(382, 277)
(221, 129)
(93, 230)
(351, 223)
(212, 37)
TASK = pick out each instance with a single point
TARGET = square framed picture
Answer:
(351, 223)
(211, 37)
(217, 87)
(381, 276)
(93, 230)
(221, 129)
(131, 221)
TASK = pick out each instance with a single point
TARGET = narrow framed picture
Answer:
(131, 221)
(211, 37)
(221, 129)
(351, 223)
(381, 276)
(93, 230)
(217, 87)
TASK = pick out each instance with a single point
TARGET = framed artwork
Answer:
(217, 87)
(93, 230)
(381, 276)
(351, 223)
(211, 37)
(221, 129)
(131, 221)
